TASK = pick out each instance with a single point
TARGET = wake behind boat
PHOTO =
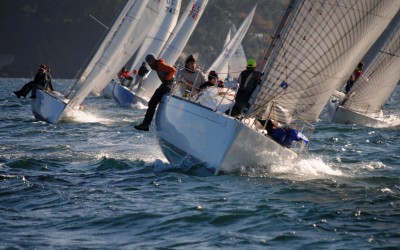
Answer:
(304, 63)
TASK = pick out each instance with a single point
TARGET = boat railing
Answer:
(218, 97)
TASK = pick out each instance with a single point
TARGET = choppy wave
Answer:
(96, 182)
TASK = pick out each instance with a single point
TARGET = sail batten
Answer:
(317, 50)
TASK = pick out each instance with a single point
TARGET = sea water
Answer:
(96, 182)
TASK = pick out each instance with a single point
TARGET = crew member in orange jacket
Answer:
(166, 75)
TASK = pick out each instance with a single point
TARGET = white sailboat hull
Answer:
(217, 142)
(48, 107)
(341, 114)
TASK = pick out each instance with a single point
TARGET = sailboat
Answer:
(311, 53)
(174, 46)
(156, 38)
(122, 41)
(215, 97)
(363, 103)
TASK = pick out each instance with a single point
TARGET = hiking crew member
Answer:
(41, 81)
(166, 75)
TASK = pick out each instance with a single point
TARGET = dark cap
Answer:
(212, 74)
(190, 59)
(150, 59)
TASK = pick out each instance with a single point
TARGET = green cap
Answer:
(251, 63)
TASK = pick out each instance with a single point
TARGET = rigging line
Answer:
(390, 54)
(91, 55)
(97, 20)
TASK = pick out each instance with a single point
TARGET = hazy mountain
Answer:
(63, 35)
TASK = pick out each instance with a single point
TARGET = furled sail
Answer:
(120, 49)
(315, 51)
(370, 92)
(233, 45)
(159, 32)
(176, 42)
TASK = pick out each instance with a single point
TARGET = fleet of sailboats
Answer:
(158, 35)
(311, 54)
(363, 103)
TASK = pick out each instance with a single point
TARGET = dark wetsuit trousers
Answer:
(154, 101)
(27, 88)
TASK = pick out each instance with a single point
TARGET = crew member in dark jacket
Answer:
(40, 81)
(212, 80)
(248, 81)
(166, 75)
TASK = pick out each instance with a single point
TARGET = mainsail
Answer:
(314, 52)
(370, 92)
(233, 45)
(123, 44)
(176, 42)
(159, 32)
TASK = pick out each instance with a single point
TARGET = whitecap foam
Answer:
(391, 120)
(305, 169)
(139, 105)
(82, 116)
(370, 166)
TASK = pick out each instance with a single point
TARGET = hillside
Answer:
(62, 35)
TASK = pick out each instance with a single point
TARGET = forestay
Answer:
(159, 32)
(232, 45)
(316, 51)
(370, 92)
(176, 42)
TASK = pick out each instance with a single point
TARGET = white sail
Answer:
(370, 92)
(233, 45)
(125, 42)
(237, 63)
(319, 45)
(225, 69)
(106, 41)
(176, 43)
(159, 32)
(238, 60)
